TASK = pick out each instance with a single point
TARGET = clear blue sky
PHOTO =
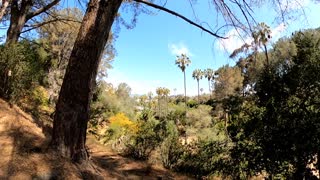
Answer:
(146, 54)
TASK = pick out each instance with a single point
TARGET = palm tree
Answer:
(166, 92)
(159, 92)
(209, 74)
(261, 37)
(162, 92)
(183, 61)
(197, 74)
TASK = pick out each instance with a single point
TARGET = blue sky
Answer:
(146, 54)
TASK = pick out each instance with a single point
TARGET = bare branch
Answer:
(244, 14)
(43, 9)
(180, 16)
(35, 26)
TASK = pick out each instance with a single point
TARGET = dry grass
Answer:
(24, 154)
(23, 149)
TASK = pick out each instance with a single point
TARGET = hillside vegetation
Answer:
(24, 155)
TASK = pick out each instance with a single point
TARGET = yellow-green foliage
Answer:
(40, 95)
(122, 122)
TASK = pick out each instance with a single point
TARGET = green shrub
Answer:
(20, 67)
(146, 140)
(203, 158)
(171, 149)
(40, 96)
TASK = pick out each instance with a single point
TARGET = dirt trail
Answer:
(120, 167)
(24, 155)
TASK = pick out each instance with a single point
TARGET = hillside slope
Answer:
(24, 155)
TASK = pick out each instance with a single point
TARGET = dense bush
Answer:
(171, 148)
(118, 133)
(145, 140)
(21, 65)
(203, 158)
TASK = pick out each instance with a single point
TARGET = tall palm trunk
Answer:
(209, 88)
(185, 101)
(198, 92)
(159, 104)
(185, 89)
(266, 54)
(72, 110)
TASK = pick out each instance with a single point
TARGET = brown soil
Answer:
(23, 154)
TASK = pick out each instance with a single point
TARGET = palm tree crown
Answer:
(197, 74)
(183, 61)
(209, 74)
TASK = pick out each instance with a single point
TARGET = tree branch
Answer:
(180, 16)
(35, 26)
(43, 9)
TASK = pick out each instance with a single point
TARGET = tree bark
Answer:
(20, 14)
(3, 8)
(17, 20)
(72, 110)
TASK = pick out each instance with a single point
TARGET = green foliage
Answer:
(177, 113)
(145, 140)
(171, 149)
(118, 132)
(39, 95)
(228, 82)
(197, 120)
(20, 67)
(277, 129)
(192, 103)
(108, 101)
(203, 158)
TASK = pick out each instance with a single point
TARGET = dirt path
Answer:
(24, 155)
(120, 167)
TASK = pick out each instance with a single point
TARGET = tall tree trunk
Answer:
(198, 93)
(20, 13)
(72, 110)
(18, 18)
(266, 54)
(185, 101)
(209, 88)
(159, 106)
(185, 89)
(3, 8)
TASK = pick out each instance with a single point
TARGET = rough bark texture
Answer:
(72, 110)
(17, 19)
(20, 13)
(3, 8)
